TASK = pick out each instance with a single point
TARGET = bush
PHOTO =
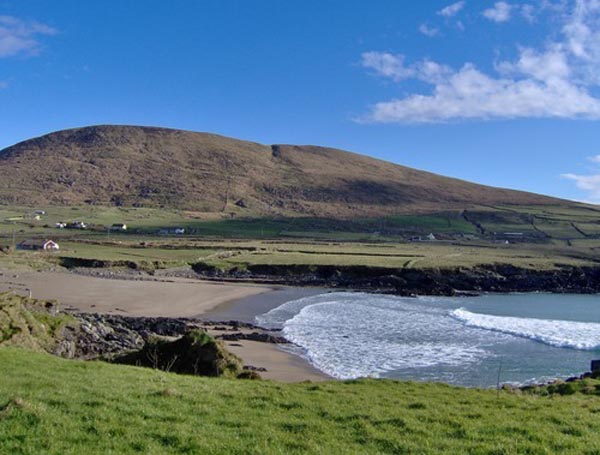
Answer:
(247, 374)
(196, 353)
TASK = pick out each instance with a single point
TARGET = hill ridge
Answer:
(165, 167)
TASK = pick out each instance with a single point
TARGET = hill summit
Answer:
(158, 167)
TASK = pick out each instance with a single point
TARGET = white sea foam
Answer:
(349, 335)
(558, 333)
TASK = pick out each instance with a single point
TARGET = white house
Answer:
(119, 227)
(38, 245)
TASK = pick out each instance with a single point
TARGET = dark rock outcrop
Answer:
(432, 281)
(254, 336)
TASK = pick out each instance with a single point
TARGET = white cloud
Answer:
(452, 10)
(499, 13)
(21, 37)
(471, 94)
(587, 183)
(428, 31)
(557, 81)
(595, 159)
(393, 67)
(387, 65)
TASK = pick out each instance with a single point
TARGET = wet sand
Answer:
(281, 365)
(246, 308)
(175, 297)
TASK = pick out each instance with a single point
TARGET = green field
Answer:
(576, 222)
(568, 236)
(135, 252)
(96, 408)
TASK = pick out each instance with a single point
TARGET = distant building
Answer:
(61, 225)
(118, 227)
(427, 238)
(39, 212)
(76, 225)
(172, 231)
(38, 245)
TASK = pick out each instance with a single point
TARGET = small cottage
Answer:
(118, 227)
(38, 245)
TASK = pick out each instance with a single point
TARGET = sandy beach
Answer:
(174, 297)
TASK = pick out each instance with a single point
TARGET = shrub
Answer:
(196, 353)
(247, 374)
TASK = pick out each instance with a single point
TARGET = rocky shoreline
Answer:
(107, 335)
(406, 282)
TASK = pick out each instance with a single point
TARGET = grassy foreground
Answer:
(54, 406)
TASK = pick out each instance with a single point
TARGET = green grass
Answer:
(440, 223)
(417, 255)
(241, 253)
(376, 242)
(26, 322)
(54, 406)
(133, 252)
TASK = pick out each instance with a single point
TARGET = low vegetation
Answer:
(534, 237)
(587, 384)
(31, 323)
(195, 353)
(94, 407)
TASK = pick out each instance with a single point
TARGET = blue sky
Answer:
(502, 93)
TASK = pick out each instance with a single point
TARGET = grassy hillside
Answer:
(31, 323)
(96, 408)
(157, 167)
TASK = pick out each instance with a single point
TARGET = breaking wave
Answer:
(350, 335)
(558, 333)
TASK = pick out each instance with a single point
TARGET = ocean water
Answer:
(521, 338)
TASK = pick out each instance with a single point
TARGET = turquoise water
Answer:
(522, 338)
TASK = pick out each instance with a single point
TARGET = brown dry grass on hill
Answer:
(153, 167)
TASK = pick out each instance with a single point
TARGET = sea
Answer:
(482, 341)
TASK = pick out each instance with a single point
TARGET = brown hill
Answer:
(143, 166)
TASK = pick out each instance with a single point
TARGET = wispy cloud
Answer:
(452, 10)
(499, 13)
(589, 183)
(595, 159)
(528, 12)
(20, 37)
(429, 31)
(556, 81)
